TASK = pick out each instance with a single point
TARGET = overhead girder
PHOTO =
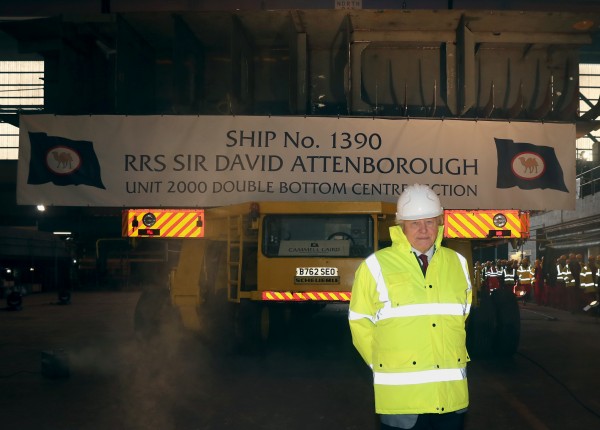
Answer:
(298, 42)
(568, 235)
(188, 67)
(470, 64)
(484, 75)
(135, 72)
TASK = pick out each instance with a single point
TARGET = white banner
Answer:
(205, 161)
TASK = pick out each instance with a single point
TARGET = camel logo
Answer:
(63, 161)
(528, 166)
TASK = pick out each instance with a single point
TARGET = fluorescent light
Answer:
(62, 233)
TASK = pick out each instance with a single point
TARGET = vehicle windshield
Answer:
(318, 236)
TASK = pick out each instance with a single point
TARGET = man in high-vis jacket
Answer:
(407, 316)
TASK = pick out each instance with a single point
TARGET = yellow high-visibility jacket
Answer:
(586, 280)
(410, 328)
(564, 274)
(525, 274)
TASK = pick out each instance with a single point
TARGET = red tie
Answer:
(423, 259)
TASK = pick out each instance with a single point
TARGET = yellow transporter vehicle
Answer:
(267, 259)
(263, 262)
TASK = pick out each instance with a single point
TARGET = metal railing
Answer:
(588, 182)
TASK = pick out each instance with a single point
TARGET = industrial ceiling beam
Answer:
(299, 65)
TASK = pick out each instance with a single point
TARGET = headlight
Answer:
(499, 220)
(149, 219)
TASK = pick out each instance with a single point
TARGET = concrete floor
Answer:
(311, 379)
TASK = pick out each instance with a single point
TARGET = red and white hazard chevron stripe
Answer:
(329, 296)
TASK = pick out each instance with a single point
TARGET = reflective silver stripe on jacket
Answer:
(375, 269)
(509, 277)
(465, 267)
(457, 309)
(352, 316)
(562, 275)
(586, 275)
(422, 377)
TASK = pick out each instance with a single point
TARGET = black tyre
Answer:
(508, 323)
(14, 301)
(481, 327)
(64, 297)
(247, 326)
(216, 313)
(154, 316)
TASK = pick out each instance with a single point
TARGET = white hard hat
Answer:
(418, 202)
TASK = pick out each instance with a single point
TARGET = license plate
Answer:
(316, 271)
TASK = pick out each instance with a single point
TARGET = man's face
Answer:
(421, 233)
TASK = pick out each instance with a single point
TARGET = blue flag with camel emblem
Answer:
(63, 161)
(528, 166)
